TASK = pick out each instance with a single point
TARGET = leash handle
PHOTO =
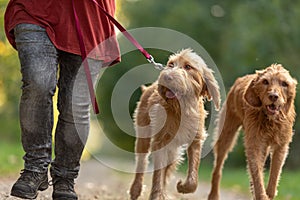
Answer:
(85, 62)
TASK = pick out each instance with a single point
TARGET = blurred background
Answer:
(240, 36)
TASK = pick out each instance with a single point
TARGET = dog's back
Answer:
(141, 115)
(232, 112)
(235, 98)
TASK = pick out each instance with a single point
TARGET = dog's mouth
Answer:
(273, 109)
(170, 94)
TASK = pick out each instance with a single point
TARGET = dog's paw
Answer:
(265, 197)
(157, 196)
(135, 190)
(213, 196)
(187, 186)
(271, 193)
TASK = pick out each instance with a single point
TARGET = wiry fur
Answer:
(171, 114)
(263, 104)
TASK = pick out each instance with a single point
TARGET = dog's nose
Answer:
(273, 97)
(168, 77)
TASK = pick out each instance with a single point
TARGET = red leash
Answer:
(84, 55)
(85, 62)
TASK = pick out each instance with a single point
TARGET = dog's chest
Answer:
(272, 131)
(173, 128)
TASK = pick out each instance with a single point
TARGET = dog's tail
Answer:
(143, 88)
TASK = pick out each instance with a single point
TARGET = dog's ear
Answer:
(211, 88)
(251, 96)
(291, 96)
(289, 105)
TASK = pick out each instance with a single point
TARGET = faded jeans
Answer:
(40, 75)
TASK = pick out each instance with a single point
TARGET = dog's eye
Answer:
(284, 84)
(265, 82)
(187, 67)
(171, 65)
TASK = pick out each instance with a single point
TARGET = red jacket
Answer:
(57, 17)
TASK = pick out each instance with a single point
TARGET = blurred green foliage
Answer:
(241, 36)
(9, 85)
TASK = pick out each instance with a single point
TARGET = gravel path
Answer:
(98, 182)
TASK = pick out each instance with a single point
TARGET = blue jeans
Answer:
(40, 75)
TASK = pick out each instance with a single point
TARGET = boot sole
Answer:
(23, 195)
(63, 196)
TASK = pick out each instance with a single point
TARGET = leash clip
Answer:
(158, 66)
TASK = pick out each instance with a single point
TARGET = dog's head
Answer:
(186, 75)
(273, 90)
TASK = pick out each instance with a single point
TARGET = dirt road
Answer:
(98, 182)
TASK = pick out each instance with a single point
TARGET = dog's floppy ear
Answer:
(251, 96)
(291, 96)
(211, 88)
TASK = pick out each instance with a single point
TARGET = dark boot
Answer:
(29, 183)
(63, 189)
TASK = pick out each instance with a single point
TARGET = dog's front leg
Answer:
(191, 182)
(142, 153)
(160, 162)
(256, 153)
(277, 161)
(157, 191)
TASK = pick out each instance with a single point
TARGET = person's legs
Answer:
(38, 58)
(73, 123)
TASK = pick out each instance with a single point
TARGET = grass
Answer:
(236, 179)
(10, 157)
(289, 187)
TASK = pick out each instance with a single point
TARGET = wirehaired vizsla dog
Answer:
(170, 115)
(263, 104)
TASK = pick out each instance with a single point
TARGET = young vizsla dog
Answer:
(263, 104)
(171, 115)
